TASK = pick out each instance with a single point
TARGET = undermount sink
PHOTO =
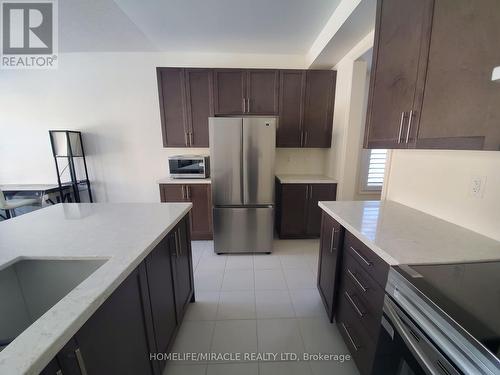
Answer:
(30, 287)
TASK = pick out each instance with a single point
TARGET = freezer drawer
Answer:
(243, 229)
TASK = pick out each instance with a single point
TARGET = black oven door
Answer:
(404, 349)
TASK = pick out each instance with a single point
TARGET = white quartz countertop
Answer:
(170, 180)
(305, 179)
(123, 233)
(403, 235)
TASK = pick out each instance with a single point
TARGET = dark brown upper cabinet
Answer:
(229, 91)
(171, 91)
(199, 105)
(303, 100)
(306, 108)
(262, 92)
(246, 91)
(461, 105)
(431, 84)
(402, 37)
(291, 108)
(318, 108)
(185, 105)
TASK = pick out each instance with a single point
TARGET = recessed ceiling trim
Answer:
(337, 19)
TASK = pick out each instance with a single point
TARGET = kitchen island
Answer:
(361, 244)
(121, 239)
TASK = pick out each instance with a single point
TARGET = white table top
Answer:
(123, 233)
(402, 235)
(28, 187)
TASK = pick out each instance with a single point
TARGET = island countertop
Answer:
(402, 235)
(121, 233)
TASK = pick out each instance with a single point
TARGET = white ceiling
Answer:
(238, 26)
(98, 26)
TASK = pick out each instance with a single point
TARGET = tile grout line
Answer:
(299, 325)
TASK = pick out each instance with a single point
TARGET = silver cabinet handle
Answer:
(190, 138)
(301, 138)
(307, 191)
(356, 348)
(188, 192)
(410, 118)
(403, 115)
(353, 304)
(186, 139)
(361, 257)
(248, 105)
(244, 105)
(183, 192)
(81, 362)
(356, 280)
(331, 240)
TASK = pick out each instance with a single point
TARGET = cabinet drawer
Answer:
(357, 339)
(358, 305)
(363, 284)
(371, 263)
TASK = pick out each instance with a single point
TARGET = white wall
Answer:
(344, 159)
(438, 182)
(113, 99)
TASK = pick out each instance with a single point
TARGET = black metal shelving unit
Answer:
(67, 146)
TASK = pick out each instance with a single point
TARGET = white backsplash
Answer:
(301, 160)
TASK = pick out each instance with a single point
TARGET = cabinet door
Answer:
(318, 192)
(291, 107)
(201, 213)
(330, 243)
(172, 193)
(182, 269)
(398, 73)
(161, 294)
(461, 104)
(262, 92)
(318, 108)
(229, 91)
(199, 105)
(293, 208)
(172, 106)
(118, 338)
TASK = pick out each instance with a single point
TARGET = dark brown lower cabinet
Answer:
(298, 214)
(329, 260)
(201, 213)
(140, 317)
(351, 281)
(161, 291)
(182, 270)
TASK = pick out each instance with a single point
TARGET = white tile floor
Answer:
(258, 303)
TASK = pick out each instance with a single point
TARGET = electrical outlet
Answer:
(477, 184)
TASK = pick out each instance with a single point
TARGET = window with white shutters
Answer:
(373, 170)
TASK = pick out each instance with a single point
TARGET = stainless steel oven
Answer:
(417, 337)
(189, 166)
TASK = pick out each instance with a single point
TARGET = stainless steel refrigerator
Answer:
(242, 153)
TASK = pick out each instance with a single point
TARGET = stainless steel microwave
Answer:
(189, 166)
